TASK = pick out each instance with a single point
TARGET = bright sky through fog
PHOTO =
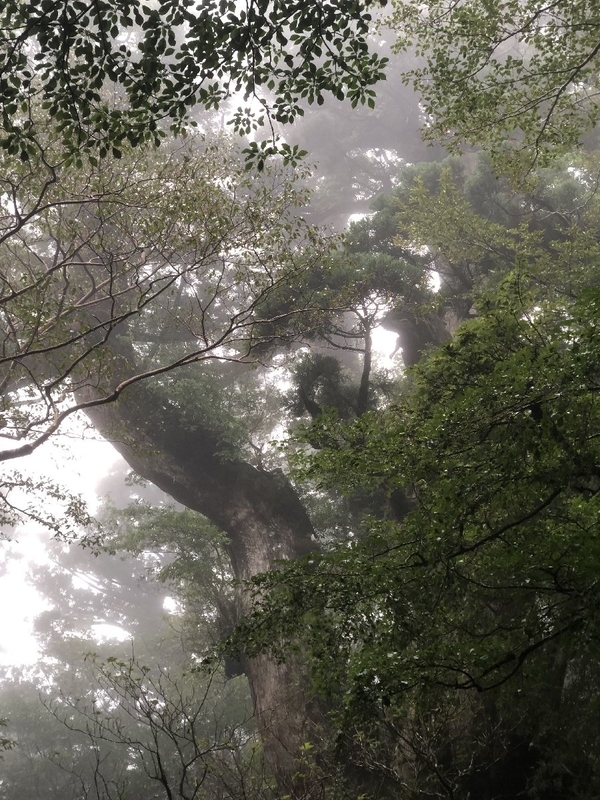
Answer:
(77, 463)
(385, 344)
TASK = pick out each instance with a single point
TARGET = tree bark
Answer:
(264, 520)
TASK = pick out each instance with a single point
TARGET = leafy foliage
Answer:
(451, 635)
(186, 554)
(163, 60)
(186, 734)
(492, 575)
(455, 642)
(518, 77)
(113, 272)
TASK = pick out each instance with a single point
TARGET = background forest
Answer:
(327, 278)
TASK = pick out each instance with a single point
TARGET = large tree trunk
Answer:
(264, 520)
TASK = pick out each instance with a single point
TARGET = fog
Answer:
(299, 444)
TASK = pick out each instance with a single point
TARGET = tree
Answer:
(121, 271)
(192, 434)
(455, 642)
(517, 77)
(176, 248)
(488, 583)
(164, 260)
(102, 716)
(177, 434)
(162, 61)
(188, 735)
(107, 727)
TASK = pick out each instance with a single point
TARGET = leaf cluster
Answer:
(519, 78)
(489, 582)
(161, 60)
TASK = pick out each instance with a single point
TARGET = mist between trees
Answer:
(328, 574)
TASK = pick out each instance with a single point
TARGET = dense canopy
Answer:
(518, 77)
(327, 567)
(111, 73)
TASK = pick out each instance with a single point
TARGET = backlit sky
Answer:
(77, 461)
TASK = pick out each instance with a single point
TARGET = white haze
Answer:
(77, 459)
